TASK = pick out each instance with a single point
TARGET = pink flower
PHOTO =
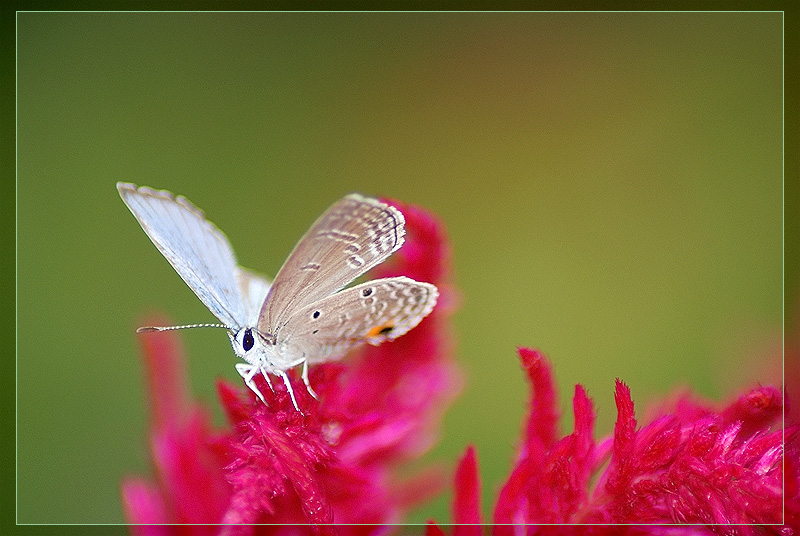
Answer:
(722, 470)
(337, 462)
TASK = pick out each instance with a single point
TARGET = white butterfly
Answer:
(304, 317)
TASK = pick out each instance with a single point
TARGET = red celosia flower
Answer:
(722, 470)
(333, 464)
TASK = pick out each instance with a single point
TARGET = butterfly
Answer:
(306, 316)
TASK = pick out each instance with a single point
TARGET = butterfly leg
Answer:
(289, 388)
(266, 377)
(247, 372)
(305, 381)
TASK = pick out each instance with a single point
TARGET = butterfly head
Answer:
(253, 346)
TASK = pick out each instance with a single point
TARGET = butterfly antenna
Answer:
(150, 329)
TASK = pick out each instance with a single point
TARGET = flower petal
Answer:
(467, 500)
(143, 503)
(543, 418)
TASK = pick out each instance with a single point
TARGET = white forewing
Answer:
(199, 252)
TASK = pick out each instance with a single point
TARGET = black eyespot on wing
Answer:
(247, 340)
(366, 292)
(385, 330)
(316, 314)
(315, 332)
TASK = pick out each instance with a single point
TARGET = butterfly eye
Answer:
(247, 340)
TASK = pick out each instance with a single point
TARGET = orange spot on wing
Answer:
(380, 329)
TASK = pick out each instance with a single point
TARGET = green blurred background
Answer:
(611, 184)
